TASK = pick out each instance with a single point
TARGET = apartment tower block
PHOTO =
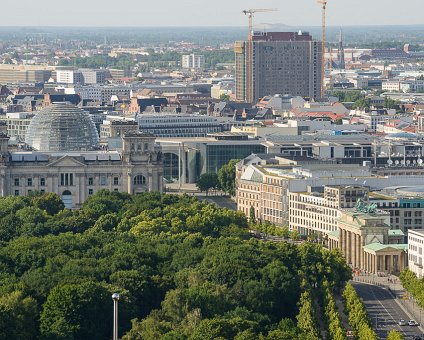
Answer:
(280, 63)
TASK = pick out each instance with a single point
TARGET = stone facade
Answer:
(77, 175)
(313, 212)
(368, 244)
(266, 193)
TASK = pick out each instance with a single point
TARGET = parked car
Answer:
(412, 323)
(402, 322)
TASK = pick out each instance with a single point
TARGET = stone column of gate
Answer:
(358, 251)
(354, 253)
(345, 244)
(349, 247)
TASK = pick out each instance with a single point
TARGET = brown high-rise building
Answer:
(281, 63)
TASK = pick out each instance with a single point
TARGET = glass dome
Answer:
(402, 136)
(62, 127)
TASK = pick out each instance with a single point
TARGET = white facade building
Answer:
(415, 251)
(83, 76)
(178, 125)
(17, 124)
(374, 118)
(69, 77)
(99, 92)
(391, 85)
(86, 92)
(195, 61)
(405, 86)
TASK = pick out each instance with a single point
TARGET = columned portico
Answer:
(387, 259)
(365, 243)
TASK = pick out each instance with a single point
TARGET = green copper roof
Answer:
(335, 233)
(380, 246)
(396, 232)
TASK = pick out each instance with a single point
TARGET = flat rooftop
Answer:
(419, 232)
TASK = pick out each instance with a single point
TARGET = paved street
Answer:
(384, 310)
(221, 201)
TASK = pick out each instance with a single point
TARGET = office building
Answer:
(82, 76)
(118, 74)
(178, 125)
(315, 212)
(94, 76)
(24, 74)
(416, 252)
(193, 61)
(281, 63)
(69, 77)
(17, 124)
(103, 93)
(288, 192)
(199, 155)
(405, 205)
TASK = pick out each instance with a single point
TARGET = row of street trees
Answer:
(358, 318)
(413, 285)
(307, 319)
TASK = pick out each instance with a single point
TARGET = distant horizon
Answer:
(208, 26)
(218, 13)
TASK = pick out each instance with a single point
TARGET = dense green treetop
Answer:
(185, 269)
(227, 177)
(207, 181)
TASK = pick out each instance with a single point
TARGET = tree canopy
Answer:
(207, 182)
(227, 177)
(185, 270)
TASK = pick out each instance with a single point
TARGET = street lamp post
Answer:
(115, 298)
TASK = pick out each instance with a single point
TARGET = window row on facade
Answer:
(68, 179)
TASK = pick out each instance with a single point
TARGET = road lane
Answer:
(384, 311)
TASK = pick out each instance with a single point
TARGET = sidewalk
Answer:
(340, 309)
(403, 298)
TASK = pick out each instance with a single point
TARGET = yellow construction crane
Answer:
(249, 96)
(323, 4)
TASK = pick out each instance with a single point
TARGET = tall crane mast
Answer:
(323, 4)
(249, 95)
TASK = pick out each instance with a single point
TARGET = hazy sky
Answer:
(205, 12)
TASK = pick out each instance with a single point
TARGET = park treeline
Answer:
(184, 269)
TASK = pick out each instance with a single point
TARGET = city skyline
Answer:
(301, 13)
